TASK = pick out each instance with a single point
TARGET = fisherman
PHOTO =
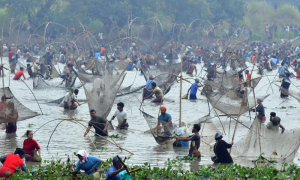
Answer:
(111, 67)
(191, 68)
(121, 116)
(103, 51)
(30, 145)
(29, 56)
(166, 120)
(195, 139)
(182, 132)
(157, 91)
(148, 86)
(11, 162)
(29, 70)
(90, 164)
(220, 150)
(269, 66)
(12, 115)
(193, 89)
(274, 123)
(70, 99)
(211, 72)
(260, 110)
(83, 67)
(19, 74)
(282, 70)
(113, 172)
(100, 124)
(285, 85)
(245, 92)
(248, 75)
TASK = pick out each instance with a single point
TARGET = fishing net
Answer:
(102, 92)
(291, 93)
(39, 82)
(54, 72)
(23, 112)
(229, 103)
(274, 144)
(125, 91)
(162, 135)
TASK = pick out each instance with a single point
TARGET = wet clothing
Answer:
(222, 153)
(195, 141)
(10, 163)
(90, 162)
(181, 132)
(273, 127)
(10, 55)
(158, 92)
(29, 146)
(148, 87)
(111, 68)
(11, 127)
(286, 82)
(103, 50)
(112, 169)
(282, 71)
(18, 75)
(99, 124)
(261, 112)
(166, 117)
(121, 116)
(193, 91)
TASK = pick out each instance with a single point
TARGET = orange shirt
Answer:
(18, 75)
(103, 50)
(253, 59)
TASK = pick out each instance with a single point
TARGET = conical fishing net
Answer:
(102, 92)
(39, 82)
(162, 135)
(274, 145)
(54, 72)
(229, 103)
(23, 112)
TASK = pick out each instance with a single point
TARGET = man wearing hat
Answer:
(191, 68)
(113, 172)
(274, 123)
(220, 150)
(193, 89)
(166, 120)
(148, 86)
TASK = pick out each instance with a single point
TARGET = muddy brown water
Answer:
(68, 137)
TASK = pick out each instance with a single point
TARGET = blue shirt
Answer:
(274, 60)
(165, 118)
(97, 55)
(112, 169)
(111, 68)
(281, 70)
(90, 162)
(194, 88)
(148, 84)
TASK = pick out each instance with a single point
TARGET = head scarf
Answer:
(163, 107)
(84, 155)
(71, 88)
(183, 123)
(218, 136)
(197, 80)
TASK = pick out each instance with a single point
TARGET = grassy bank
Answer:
(173, 170)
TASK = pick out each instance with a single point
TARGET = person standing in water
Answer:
(193, 89)
(285, 85)
(19, 74)
(195, 140)
(260, 110)
(100, 124)
(121, 116)
(274, 123)
(192, 67)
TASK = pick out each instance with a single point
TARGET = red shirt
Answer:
(103, 50)
(12, 161)
(29, 146)
(248, 76)
(10, 55)
(18, 75)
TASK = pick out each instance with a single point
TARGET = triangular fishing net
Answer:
(54, 72)
(23, 112)
(274, 144)
(102, 92)
(291, 93)
(39, 82)
(161, 135)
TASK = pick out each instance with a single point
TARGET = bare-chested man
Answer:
(191, 68)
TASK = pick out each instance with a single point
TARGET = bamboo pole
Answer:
(180, 93)
(2, 70)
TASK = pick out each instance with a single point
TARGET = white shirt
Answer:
(120, 116)
(68, 98)
(247, 91)
(83, 67)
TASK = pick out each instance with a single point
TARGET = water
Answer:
(68, 137)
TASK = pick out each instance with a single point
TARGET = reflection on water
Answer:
(68, 137)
